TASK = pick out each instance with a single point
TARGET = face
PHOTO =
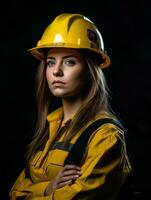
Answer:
(65, 72)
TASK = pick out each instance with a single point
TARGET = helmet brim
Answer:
(38, 52)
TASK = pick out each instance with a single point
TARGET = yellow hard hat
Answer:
(72, 31)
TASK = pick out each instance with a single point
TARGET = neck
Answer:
(70, 107)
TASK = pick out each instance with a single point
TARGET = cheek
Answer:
(48, 75)
(77, 79)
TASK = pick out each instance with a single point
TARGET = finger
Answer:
(70, 172)
(64, 183)
(66, 167)
(67, 178)
(64, 178)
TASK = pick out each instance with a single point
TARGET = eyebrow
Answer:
(64, 57)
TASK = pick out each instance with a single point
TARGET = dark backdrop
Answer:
(122, 27)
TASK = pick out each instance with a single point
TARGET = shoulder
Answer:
(108, 122)
(109, 129)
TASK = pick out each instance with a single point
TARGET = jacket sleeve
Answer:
(24, 188)
(104, 168)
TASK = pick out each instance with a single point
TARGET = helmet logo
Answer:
(92, 35)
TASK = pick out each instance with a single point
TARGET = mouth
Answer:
(57, 82)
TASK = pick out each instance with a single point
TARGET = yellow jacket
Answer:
(104, 170)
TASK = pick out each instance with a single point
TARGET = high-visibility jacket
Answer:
(104, 169)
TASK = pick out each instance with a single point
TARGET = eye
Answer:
(70, 62)
(50, 63)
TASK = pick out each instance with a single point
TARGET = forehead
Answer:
(64, 52)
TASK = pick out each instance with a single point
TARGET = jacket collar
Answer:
(55, 115)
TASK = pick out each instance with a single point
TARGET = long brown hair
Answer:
(96, 101)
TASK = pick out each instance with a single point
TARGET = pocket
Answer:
(55, 162)
(57, 157)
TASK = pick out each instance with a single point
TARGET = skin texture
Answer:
(66, 77)
(66, 176)
(65, 72)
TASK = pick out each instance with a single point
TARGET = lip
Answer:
(57, 82)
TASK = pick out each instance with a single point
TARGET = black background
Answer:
(122, 26)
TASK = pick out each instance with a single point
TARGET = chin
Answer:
(59, 94)
(62, 94)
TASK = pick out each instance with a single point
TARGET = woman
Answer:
(71, 96)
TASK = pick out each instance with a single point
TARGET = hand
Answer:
(66, 176)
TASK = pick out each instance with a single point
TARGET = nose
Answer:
(58, 70)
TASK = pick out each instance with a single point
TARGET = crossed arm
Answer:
(104, 157)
